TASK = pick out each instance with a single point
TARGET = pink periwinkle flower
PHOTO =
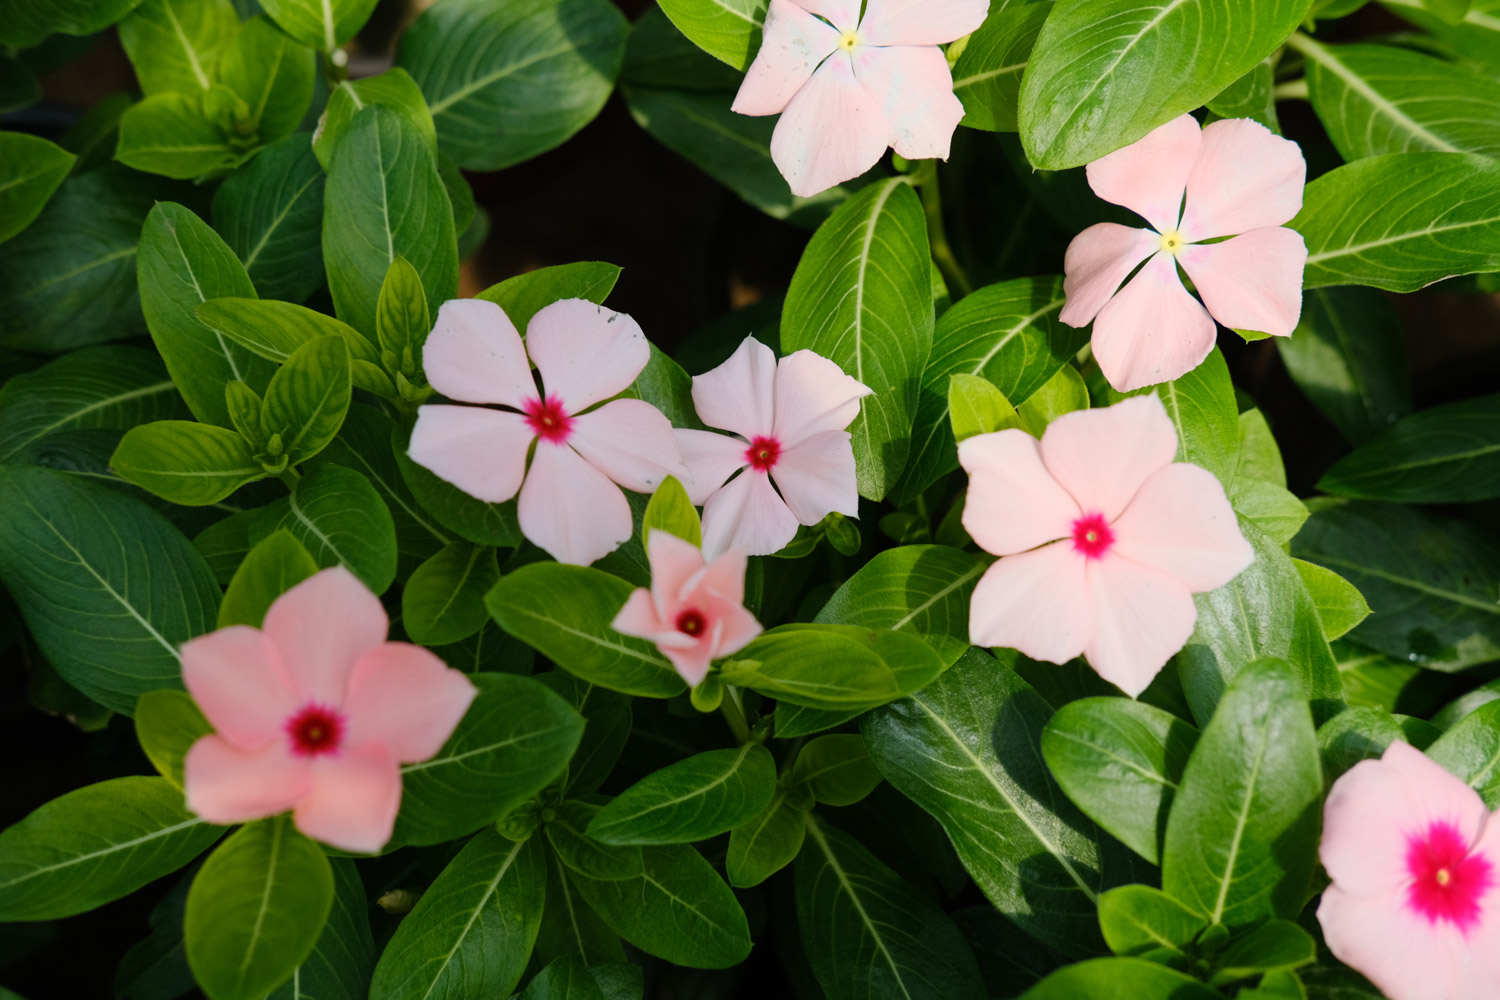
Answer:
(1103, 538)
(1239, 180)
(695, 610)
(847, 87)
(1415, 861)
(570, 505)
(790, 419)
(316, 713)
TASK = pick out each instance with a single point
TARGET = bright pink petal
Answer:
(1152, 330)
(1406, 959)
(479, 450)
(710, 459)
(723, 577)
(691, 663)
(585, 352)
(631, 442)
(1180, 522)
(816, 478)
(747, 514)
(474, 354)
(842, 14)
(831, 132)
(1013, 504)
(921, 22)
(1097, 260)
(224, 784)
(238, 680)
(354, 799)
(406, 699)
(1141, 617)
(1037, 602)
(322, 626)
(1251, 282)
(740, 394)
(1149, 175)
(792, 45)
(813, 395)
(639, 617)
(914, 86)
(674, 562)
(570, 509)
(1246, 177)
(1103, 456)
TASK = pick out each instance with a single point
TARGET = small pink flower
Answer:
(846, 87)
(1415, 861)
(790, 418)
(1104, 540)
(1238, 178)
(694, 611)
(569, 505)
(316, 713)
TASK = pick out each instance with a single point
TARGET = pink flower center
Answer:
(763, 453)
(691, 622)
(1447, 882)
(1092, 536)
(315, 730)
(548, 420)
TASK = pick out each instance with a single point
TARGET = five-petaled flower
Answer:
(790, 418)
(570, 505)
(695, 610)
(1238, 178)
(847, 87)
(1415, 861)
(1103, 538)
(316, 712)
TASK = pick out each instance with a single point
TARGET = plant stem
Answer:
(734, 713)
(291, 477)
(1292, 90)
(926, 182)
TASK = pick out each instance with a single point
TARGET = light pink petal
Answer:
(1103, 456)
(474, 354)
(915, 87)
(1251, 282)
(832, 131)
(354, 799)
(1246, 177)
(631, 442)
(792, 45)
(724, 577)
(1141, 617)
(1149, 175)
(739, 395)
(238, 680)
(1037, 602)
(747, 514)
(570, 509)
(1097, 260)
(1152, 330)
(710, 459)
(674, 563)
(1013, 504)
(737, 627)
(224, 784)
(639, 617)
(813, 395)
(1406, 959)
(322, 626)
(842, 14)
(481, 451)
(585, 352)
(406, 699)
(920, 22)
(1180, 522)
(691, 663)
(816, 478)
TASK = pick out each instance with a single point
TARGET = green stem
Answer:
(926, 182)
(291, 477)
(734, 713)
(1292, 90)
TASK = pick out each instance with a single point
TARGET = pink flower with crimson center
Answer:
(790, 418)
(848, 86)
(316, 712)
(694, 611)
(1238, 180)
(1415, 861)
(1103, 540)
(581, 453)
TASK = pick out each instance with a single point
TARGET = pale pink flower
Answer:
(1238, 178)
(790, 418)
(316, 713)
(695, 610)
(846, 87)
(1104, 540)
(1415, 861)
(570, 505)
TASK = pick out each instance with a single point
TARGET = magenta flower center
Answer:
(548, 420)
(1092, 536)
(1447, 882)
(315, 730)
(763, 453)
(691, 622)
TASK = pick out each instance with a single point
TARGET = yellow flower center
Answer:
(1172, 242)
(849, 41)
(1443, 876)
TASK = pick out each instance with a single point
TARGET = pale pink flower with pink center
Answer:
(695, 610)
(1103, 538)
(790, 419)
(316, 712)
(570, 505)
(1239, 180)
(1415, 861)
(847, 87)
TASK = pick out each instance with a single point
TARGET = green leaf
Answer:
(861, 296)
(340, 519)
(507, 82)
(167, 724)
(987, 75)
(174, 45)
(569, 926)
(320, 24)
(835, 667)
(975, 406)
(31, 169)
(94, 845)
(766, 843)
(1260, 456)
(921, 589)
(276, 564)
(1275, 944)
(443, 601)
(245, 413)
(703, 796)
(186, 462)
(493, 524)
(1471, 750)
(401, 316)
(1355, 735)
(1273, 509)
(836, 769)
(1474, 37)
(1251, 96)
(609, 718)
(1064, 392)
(307, 399)
(24, 24)
(270, 213)
(1109, 978)
(225, 543)
(524, 295)
(277, 330)
(1142, 921)
(1201, 405)
(728, 30)
(256, 909)
(273, 75)
(1446, 454)
(340, 964)
(1340, 605)
(394, 89)
(564, 979)
(582, 853)
(168, 134)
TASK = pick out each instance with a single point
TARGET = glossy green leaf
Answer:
(308, 397)
(443, 600)
(175, 45)
(320, 24)
(1273, 509)
(834, 667)
(27, 22)
(728, 30)
(1275, 944)
(31, 169)
(837, 769)
(1340, 605)
(671, 511)
(1064, 392)
(276, 564)
(976, 406)
(493, 524)
(167, 724)
(608, 718)
(1201, 405)
(1251, 96)
(186, 462)
(340, 519)
(524, 295)
(1446, 454)
(987, 75)
(402, 319)
(1117, 979)
(765, 844)
(569, 926)
(340, 964)
(567, 832)
(1144, 922)
(1471, 750)
(169, 134)
(273, 75)
(394, 89)
(277, 330)
(703, 796)
(1354, 735)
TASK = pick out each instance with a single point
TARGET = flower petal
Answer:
(224, 784)
(832, 131)
(1013, 504)
(842, 14)
(915, 87)
(1150, 175)
(481, 451)
(724, 577)
(691, 663)
(570, 509)
(1103, 456)
(238, 680)
(674, 562)
(1141, 618)
(747, 514)
(322, 626)
(354, 799)
(474, 354)
(737, 627)
(1152, 330)
(585, 352)
(921, 22)
(793, 43)
(1246, 177)
(640, 616)
(1037, 602)
(1251, 282)
(406, 699)
(1097, 260)
(740, 394)
(813, 395)
(710, 459)
(1180, 522)
(816, 478)
(1406, 959)
(631, 442)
